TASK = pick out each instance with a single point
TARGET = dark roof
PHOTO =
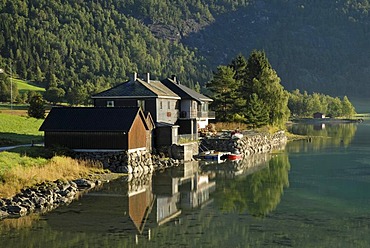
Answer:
(90, 119)
(185, 92)
(139, 88)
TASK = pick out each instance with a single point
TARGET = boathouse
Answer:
(319, 115)
(94, 128)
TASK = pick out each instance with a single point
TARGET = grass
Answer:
(24, 86)
(18, 170)
(219, 126)
(16, 130)
(26, 166)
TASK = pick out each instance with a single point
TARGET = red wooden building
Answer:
(82, 128)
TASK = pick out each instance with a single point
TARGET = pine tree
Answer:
(257, 114)
(262, 80)
(223, 85)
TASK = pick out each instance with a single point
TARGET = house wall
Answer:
(187, 126)
(87, 140)
(117, 102)
(137, 137)
(189, 109)
(167, 110)
(166, 136)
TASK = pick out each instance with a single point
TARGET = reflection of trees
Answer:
(258, 193)
(330, 134)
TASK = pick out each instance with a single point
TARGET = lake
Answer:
(312, 194)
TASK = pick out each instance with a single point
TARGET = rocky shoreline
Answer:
(250, 143)
(44, 197)
(50, 195)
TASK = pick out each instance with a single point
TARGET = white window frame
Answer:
(110, 104)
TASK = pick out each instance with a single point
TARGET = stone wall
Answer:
(132, 162)
(251, 143)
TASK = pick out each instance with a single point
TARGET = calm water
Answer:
(312, 194)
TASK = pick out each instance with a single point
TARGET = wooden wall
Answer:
(87, 140)
(137, 136)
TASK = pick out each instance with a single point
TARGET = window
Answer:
(160, 105)
(169, 104)
(110, 103)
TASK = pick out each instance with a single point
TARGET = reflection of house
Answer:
(97, 128)
(140, 205)
(319, 115)
(196, 191)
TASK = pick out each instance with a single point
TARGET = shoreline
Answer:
(47, 196)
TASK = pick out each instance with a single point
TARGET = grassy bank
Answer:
(27, 166)
(18, 170)
(15, 129)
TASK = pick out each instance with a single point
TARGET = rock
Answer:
(16, 210)
(84, 183)
(3, 214)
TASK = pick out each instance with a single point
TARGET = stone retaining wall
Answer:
(251, 143)
(132, 162)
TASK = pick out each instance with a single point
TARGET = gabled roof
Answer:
(91, 119)
(137, 89)
(185, 92)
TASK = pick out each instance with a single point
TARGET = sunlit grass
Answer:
(17, 171)
(16, 129)
(24, 86)
(219, 126)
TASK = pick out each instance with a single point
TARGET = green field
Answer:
(16, 130)
(24, 86)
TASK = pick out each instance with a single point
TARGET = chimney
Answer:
(147, 77)
(173, 77)
(134, 77)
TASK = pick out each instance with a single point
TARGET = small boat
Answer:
(234, 156)
(215, 156)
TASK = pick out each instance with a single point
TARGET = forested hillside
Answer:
(86, 46)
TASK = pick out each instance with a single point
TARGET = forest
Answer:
(78, 48)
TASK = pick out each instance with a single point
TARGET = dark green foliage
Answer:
(36, 108)
(99, 43)
(256, 113)
(224, 87)
(54, 95)
(249, 91)
(89, 46)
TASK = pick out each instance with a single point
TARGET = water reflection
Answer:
(258, 191)
(131, 210)
(323, 135)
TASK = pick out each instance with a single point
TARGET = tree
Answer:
(54, 95)
(335, 107)
(347, 108)
(36, 108)
(256, 114)
(262, 80)
(224, 88)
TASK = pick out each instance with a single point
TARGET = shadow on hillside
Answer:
(12, 139)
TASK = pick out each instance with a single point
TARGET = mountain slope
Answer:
(87, 46)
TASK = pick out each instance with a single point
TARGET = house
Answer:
(318, 115)
(193, 107)
(175, 108)
(151, 96)
(89, 128)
